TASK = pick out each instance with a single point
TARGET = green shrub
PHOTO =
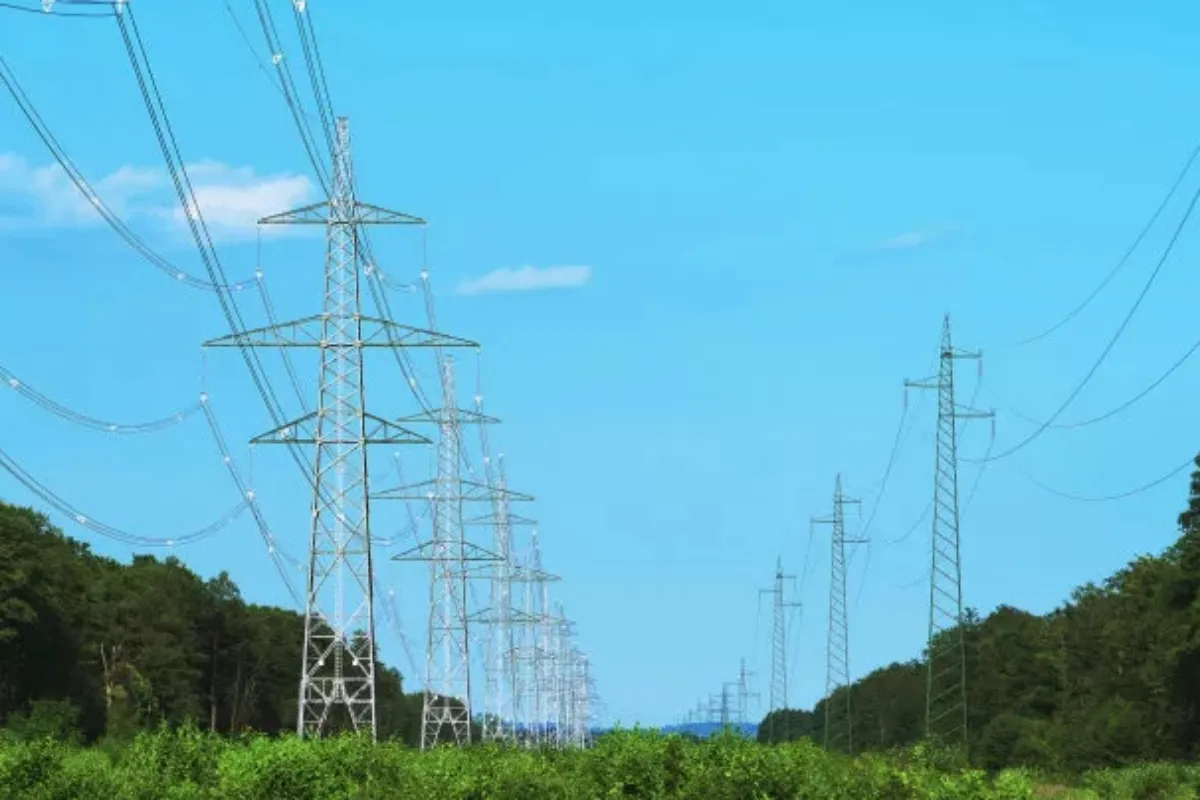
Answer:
(187, 764)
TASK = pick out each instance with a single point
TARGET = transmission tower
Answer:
(779, 638)
(500, 618)
(744, 693)
(838, 728)
(338, 668)
(564, 668)
(946, 678)
(498, 699)
(453, 560)
(729, 709)
(537, 609)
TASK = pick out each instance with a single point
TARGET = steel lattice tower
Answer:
(537, 598)
(499, 724)
(838, 728)
(546, 654)
(946, 677)
(338, 669)
(453, 560)
(779, 636)
(744, 693)
(447, 700)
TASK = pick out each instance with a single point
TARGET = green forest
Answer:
(1110, 678)
(91, 647)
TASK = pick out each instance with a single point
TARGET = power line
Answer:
(1124, 257)
(1111, 343)
(61, 411)
(53, 499)
(1128, 403)
(156, 111)
(243, 487)
(85, 188)
(1110, 497)
(46, 9)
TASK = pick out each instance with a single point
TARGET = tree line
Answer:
(91, 647)
(1110, 678)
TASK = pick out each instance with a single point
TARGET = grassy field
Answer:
(187, 765)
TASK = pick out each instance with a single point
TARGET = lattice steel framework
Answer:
(838, 727)
(338, 667)
(499, 671)
(447, 700)
(946, 676)
(780, 606)
(744, 693)
(453, 560)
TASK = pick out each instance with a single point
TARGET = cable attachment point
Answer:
(48, 5)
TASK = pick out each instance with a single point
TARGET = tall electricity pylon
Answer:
(838, 729)
(447, 704)
(447, 700)
(537, 609)
(338, 668)
(498, 722)
(729, 707)
(744, 693)
(500, 618)
(779, 637)
(946, 677)
(563, 677)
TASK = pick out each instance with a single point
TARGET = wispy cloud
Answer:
(913, 239)
(231, 199)
(526, 279)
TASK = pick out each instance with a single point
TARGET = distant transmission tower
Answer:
(946, 678)
(447, 705)
(338, 669)
(744, 693)
(779, 637)
(500, 618)
(729, 704)
(838, 726)
(541, 655)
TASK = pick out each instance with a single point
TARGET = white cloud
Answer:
(525, 279)
(231, 199)
(911, 239)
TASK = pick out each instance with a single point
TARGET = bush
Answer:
(186, 764)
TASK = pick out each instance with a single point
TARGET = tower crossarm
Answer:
(313, 331)
(308, 430)
(469, 492)
(354, 213)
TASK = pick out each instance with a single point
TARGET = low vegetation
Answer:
(187, 764)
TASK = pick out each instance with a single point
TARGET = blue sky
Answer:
(776, 203)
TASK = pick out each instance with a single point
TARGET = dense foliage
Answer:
(189, 765)
(94, 647)
(1110, 678)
